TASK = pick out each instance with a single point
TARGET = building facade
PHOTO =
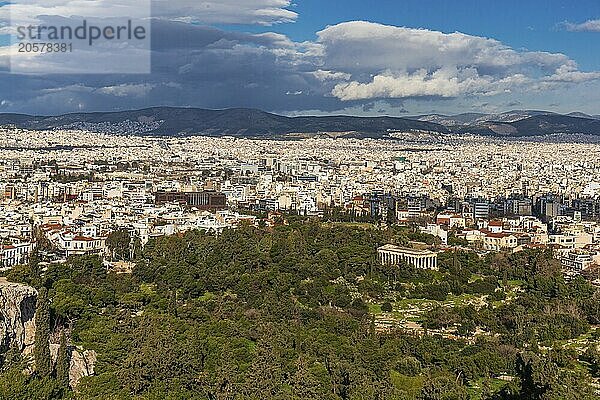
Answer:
(14, 254)
(205, 200)
(394, 255)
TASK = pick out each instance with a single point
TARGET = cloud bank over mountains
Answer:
(351, 65)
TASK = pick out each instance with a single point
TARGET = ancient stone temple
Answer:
(394, 255)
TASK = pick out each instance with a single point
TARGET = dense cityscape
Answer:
(422, 209)
(76, 188)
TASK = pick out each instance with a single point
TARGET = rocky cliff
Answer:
(17, 316)
(81, 362)
(17, 328)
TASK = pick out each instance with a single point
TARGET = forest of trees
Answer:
(283, 313)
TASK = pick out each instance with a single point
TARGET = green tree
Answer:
(443, 387)
(62, 362)
(119, 243)
(41, 353)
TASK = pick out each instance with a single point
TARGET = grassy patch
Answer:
(410, 385)
(515, 283)
(207, 296)
(477, 388)
(148, 288)
(374, 308)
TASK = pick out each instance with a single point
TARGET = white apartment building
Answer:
(73, 244)
(14, 254)
(499, 241)
(577, 260)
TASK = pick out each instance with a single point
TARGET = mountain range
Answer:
(240, 122)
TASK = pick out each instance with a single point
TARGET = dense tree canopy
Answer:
(285, 313)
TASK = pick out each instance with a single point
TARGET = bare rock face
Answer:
(17, 328)
(81, 362)
(17, 316)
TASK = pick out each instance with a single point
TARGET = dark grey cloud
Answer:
(192, 66)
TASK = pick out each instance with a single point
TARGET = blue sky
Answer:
(380, 57)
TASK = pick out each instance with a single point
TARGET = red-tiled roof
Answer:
(498, 235)
(83, 239)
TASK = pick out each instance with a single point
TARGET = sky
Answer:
(386, 57)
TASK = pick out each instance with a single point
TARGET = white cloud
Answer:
(592, 25)
(569, 74)
(396, 62)
(75, 88)
(444, 83)
(375, 46)
(127, 90)
(262, 12)
(330, 75)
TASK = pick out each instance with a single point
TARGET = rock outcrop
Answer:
(17, 316)
(17, 328)
(81, 362)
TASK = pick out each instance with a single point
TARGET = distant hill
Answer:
(468, 119)
(517, 123)
(583, 115)
(549, 124)
(450, 120)
(242, 122)
(238, 122)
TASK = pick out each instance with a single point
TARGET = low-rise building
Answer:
(73, 244)
(576, 260)
(499, 241)
(14, 254)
